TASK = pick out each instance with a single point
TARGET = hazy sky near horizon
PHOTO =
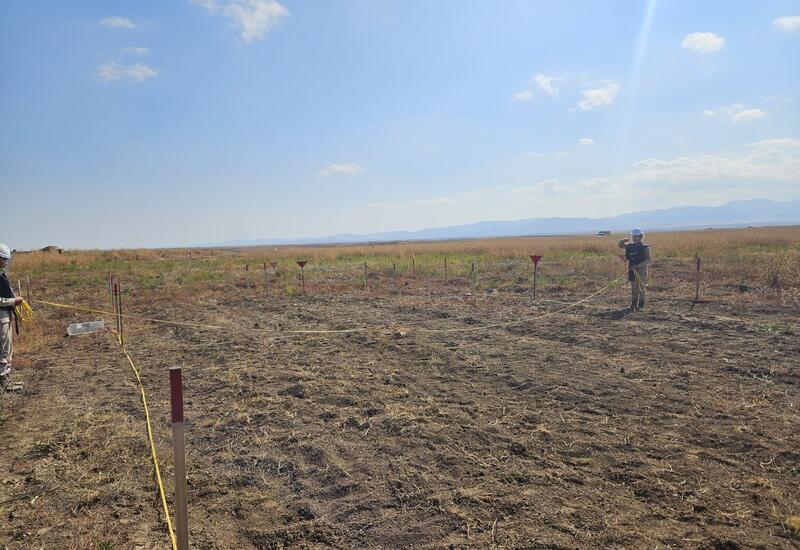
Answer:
(128, 124)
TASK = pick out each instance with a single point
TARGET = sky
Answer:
(138, 124)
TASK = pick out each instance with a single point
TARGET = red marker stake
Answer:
(179, 446)
(302, 264)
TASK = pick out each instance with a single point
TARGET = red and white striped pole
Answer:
(179, 446)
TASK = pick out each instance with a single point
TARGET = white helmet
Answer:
(637, 232)
(5, 252)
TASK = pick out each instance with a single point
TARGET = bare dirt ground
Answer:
(676, 427)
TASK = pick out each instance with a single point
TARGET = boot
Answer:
(640, 305)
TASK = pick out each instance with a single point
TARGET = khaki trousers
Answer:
(638, 286)
(6, 347)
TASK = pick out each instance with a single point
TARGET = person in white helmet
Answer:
(638, 255)
(8, 301)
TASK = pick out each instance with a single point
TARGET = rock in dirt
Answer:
(295, 391)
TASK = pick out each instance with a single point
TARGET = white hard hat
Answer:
(5, 252)
(637, 232)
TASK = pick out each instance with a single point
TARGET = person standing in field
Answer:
(8, 301)
(638, 255)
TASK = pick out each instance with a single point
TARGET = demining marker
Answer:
(302, 264)
(179, 446)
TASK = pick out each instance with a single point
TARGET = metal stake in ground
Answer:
(535, 259)
(302, 264)
(697, 280)
(121, 320)
(179, 447)
(111, 288)
(117, 312)
(365, 275)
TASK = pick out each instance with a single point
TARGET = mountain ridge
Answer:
(740, 213)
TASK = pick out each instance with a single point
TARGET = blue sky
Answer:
(173, 123)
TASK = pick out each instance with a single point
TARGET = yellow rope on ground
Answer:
(153, 451)
(129, 316)
(333, 331)
(520, 321)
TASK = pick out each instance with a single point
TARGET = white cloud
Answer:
(737, 112)
(253, 18)
(554, 154)
(703, 42)
(137, 50)
(114, 71)
(787, 23)
(349, 168)
(779, 143)
(586, 141)
(545, 83)
(210, 5)
(771, 160)
(526, 95)
(748, 114)
(440, 201)
(599, 97)
(118, 22)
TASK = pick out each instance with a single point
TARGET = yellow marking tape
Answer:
(337, 331)
(24, 313)
(153, 451)
(521, 321)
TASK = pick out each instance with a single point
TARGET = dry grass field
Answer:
(457, 414)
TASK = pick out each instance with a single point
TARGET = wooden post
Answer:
(534, 279)
(445, 271)
(179, 447)
(697, 281)
(303, 278)
(111, 291)
(365, 275)
(117, 312)
(121, 321)
(413, 267)
(474, 276)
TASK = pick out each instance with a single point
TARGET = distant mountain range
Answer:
(758, 212)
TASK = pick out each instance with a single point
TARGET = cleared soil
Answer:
(676, 427)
